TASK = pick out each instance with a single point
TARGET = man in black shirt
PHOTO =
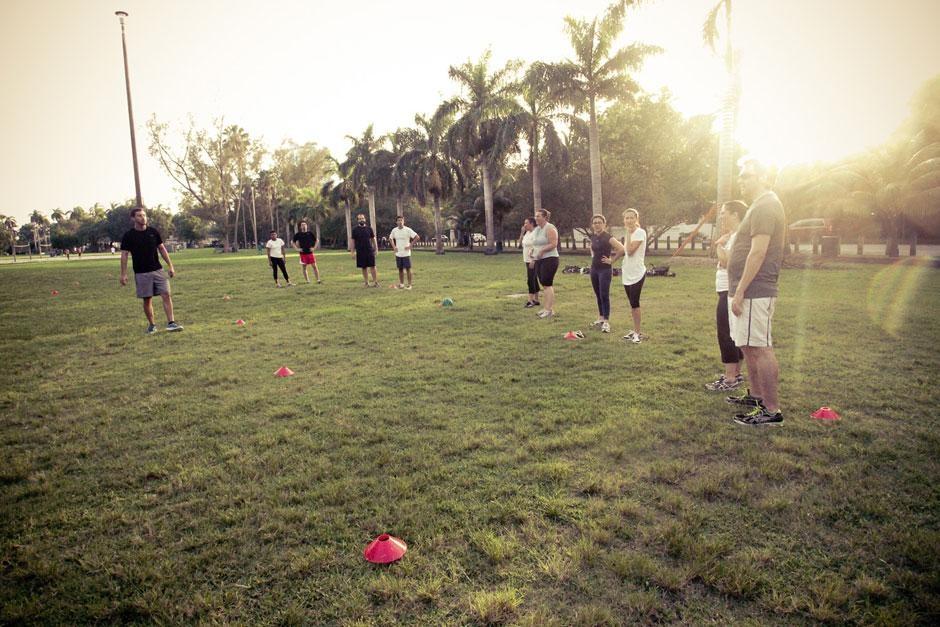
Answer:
(143, 243)
(364, 240)
(307, 242)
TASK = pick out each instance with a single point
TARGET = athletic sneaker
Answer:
(637, 338)
(629, 336)
(319, 281)
(401, 286)
(759, 416)
(605, 327)
(745, 399)
(174, 326)
(545, 314)
(151, 329)
(724, 385)
(597, 324)
(539, 314)
(408, 287)
(530, 304)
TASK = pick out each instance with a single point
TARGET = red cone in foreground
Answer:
(240, 322)
(824, 413)
(283, 371)
(385, 549)
(55, 292)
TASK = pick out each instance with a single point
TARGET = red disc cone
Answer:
(385, 549)
(570, 335)
(240, 322)
(825, 413)
(55, 292)
(283, 371)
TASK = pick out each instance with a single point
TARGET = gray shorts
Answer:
(151, 284)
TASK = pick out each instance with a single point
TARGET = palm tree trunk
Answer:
(316, 228)
(238, 208)
(438, 227)
(488, 210)
(375, 226)
(597, 203)
(349, 244)
(891, 246)
(536, 174)
(244, 224)
(399, 206)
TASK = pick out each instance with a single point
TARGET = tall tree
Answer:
(363, 167)
(596, 74)
(711, 33)
(431, 170)
(487, 125)
(542, 100)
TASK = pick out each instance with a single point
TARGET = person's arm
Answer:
(268, 248)
(552, 242)
(755, 258)
(284, 251)
(375, 243)
(166, 258)
(721, 251)
(123, 267)
(618, 250)
(414, 239)
(631, 244)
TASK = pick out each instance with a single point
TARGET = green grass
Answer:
(537, 481)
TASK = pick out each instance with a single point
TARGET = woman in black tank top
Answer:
(605, 250)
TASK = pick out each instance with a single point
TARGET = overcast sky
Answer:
(822, 78)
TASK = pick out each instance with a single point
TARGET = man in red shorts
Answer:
(306, 241)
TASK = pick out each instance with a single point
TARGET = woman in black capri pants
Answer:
(545, 254)
(527, 235)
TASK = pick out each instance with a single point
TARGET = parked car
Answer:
(479, 238)
(809, 230)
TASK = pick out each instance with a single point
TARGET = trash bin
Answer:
(830, 246)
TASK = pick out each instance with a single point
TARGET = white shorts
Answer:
(752, 327)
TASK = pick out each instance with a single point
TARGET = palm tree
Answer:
(363, 166)
(341, 190)
(57, 215)
(596, 74)
(9, 224)
(542, 101)
(431, 170)
(729, 109)
(390, 174)
(488, 128)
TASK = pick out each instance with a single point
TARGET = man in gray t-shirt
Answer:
(753, 269)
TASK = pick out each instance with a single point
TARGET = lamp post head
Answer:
(121, 15)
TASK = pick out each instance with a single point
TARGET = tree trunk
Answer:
(913, 244)
(244, 224)
(316, 228)
(238, 209)
(488, 210)
(399, 206)
(536, 174)
(254, 215)
(438, 227)
(271, 208)
(597, 204)
(228, 237)
(891, 246)
(375, 226)
(349, 244)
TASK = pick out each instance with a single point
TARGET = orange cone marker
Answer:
(825, 413)
(283, 371)
(55, 292)
(240, 322)
(574, 335)
(385, 549)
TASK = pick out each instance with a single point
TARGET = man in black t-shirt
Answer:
(365, 248)
(143, 243)
(307, 242)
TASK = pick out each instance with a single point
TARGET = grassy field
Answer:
(537, 481)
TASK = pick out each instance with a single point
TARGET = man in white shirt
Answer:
(402, 237)
(275, 246)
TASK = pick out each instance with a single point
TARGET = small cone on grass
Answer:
(385, 549)
(447, 302)
(574, 335)
(240, 322)
(825, 413)
(283, 371)
(55, 292)
(226, 297)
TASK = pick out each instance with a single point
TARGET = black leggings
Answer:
(600, 281)
(633, 293)
(532, 278)
(278, 262)
(730, 354)
(546, 269)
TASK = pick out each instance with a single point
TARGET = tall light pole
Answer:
(130, 111)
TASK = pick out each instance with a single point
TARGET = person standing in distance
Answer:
(633, 272)
(275, 246)
(729, 217)
(753, 270)
(143, 243)
(402, 237)
(545, 254)
(605, 250)
(307, 242)
(532, 279)
(365, 249)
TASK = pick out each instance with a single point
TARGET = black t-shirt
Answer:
(600, 247)
(362, 236)
(305, 240)
(142, 245)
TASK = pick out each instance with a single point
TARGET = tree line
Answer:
(577, 136)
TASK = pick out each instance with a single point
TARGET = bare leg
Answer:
(732, 370)
(148, 309)
(753, 372)
(636, 319)
(365, 276)
(766, 371)
(401, 277)
(306, 276)
(409, 276)
(167, 307)
(549, 294)
(375, 276)
(316, 272)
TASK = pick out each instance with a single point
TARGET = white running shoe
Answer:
(597, 324)
(605, 327)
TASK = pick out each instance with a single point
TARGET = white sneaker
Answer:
(636, 338)
(408, 287)
(596, 324)
(539, 314)
(605, 327)
(545, 314)
(401, 286)
(629, 336)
